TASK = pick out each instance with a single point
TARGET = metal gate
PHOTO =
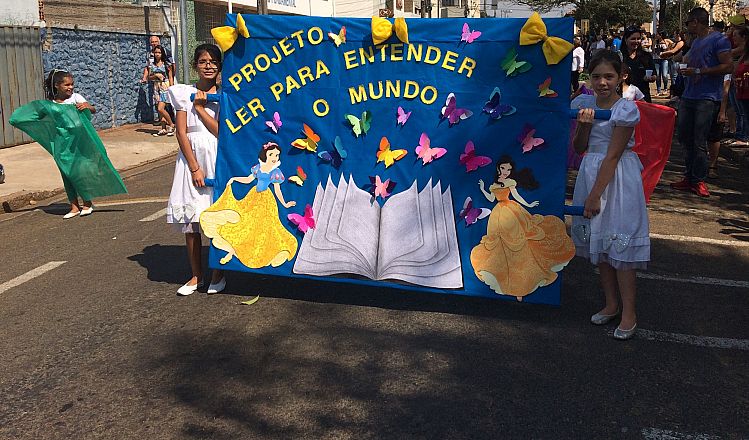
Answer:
(21, 75)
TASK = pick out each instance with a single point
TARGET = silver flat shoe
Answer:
(601, 319)
(218, 287)
(623, 335)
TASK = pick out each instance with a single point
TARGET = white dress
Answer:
(619, 234)
(186, 202)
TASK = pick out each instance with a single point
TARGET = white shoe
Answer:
(71, 214)
(87, 211)
(218, 287)
(189, 290)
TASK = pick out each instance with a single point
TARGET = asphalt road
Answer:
(97, 345)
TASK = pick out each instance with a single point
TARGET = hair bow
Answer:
(269, 145)
(534, 30)
(382, 29)
(226, 36)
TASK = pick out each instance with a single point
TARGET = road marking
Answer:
(695, 280)
(158, 214)
(665, 434)
(133, 201)
(700, 341)
(732, 243)
(29, 275)
(707, 212)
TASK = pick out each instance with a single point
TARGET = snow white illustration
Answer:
(249, 229)
(520, 251)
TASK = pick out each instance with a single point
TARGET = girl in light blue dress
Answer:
(614, 231)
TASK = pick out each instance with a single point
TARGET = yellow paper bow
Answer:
(534, 30)
(382, 29)
(226, 36)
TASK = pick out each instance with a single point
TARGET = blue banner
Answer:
(433, 160)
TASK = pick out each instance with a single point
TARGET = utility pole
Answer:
(262, 7)
(423, 9)
(185, 70)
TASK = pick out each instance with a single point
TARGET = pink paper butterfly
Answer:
(378, 188)
(468, 35)
(471, 161)
(452, 112)
(427, 153)
(526, 138)
(402, 116)
(275, 123)
(303, 222)
(470, 214)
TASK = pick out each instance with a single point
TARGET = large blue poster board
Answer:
(445, 116)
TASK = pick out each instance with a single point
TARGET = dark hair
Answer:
(54, 78)
(524, 177)
(628, 33)
(607, 57)
(263, 154)
(744, 32)
(210, 49)
(163, 53)
(699, 14)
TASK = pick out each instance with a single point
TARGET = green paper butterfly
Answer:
(362, 125)
(513, 66)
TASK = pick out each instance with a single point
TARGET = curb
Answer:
(17, 200)
(735, 155)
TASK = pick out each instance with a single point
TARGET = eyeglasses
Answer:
(206, 63)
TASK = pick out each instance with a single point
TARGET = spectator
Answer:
(640, 62)
(578, 63)
(661, 64)
(708, 60)
(673, 54)
(630, 92)
(741, 87)
(647, 42)
(616, 44)
(155, 40)
(159, 74)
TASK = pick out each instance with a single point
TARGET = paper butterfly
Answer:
(303, 222)
(300, 177)
(545, 91)
(495, 109)
(402, 116)
(339, 38)
(309, 142)
(470, 214)
(378, 188)
(385, 154)
(471, 161)
(427, 153)
(512, 66)
(360, 125)
(452, 112)
(526, 138)
(334, 156)
(468, 35)
(275, 123)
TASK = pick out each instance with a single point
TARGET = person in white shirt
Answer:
(578, 63)
(630, 92)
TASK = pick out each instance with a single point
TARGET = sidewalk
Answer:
(31, 173)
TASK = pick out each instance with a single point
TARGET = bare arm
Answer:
(170, 72)
(725, 66)
(199, 105)
(145, 75)
(582, 130)
(724, 102)
(245, 180)
(489, 196)
(673, 51)
(279, 194)
(619, 139)
(198, 177)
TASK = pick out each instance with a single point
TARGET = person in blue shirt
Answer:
(616, 43)
(707, 62)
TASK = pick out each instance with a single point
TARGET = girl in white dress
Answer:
(197, 132)
(614, 231)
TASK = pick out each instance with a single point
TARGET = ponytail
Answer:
(54, 78)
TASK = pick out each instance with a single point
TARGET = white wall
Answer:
(321, 8)
(19, 12)
(358, 8)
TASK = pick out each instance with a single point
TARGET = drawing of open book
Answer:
(411, 238)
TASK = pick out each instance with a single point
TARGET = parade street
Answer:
(95, 343)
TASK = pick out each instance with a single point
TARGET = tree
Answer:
(603, 14)
(671, 23)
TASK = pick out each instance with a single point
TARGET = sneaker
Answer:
(170, 131)
(682, 185)
(2, 174)
(700, 189)
(161, 132)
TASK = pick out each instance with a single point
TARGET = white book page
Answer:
(320, 256)
(427, 219)
(400, 227)
(445, 273)
(360, 223)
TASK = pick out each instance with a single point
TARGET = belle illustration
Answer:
(250, 229)
(520, 252)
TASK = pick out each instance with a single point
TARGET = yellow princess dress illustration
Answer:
(520, 251)
(249, 229)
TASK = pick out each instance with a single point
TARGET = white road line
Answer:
(695, 280)
(133, 201)
(665, 434)
(158, 214)
(29, 275)
(716, 213)
(700, 341)
(686, 238)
